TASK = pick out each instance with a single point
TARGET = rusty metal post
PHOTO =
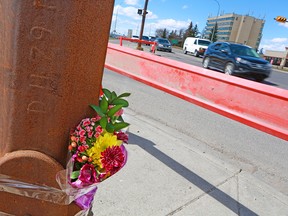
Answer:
(142, 25)
(52, 56)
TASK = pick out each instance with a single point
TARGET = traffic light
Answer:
(140, 11)
(281, 19)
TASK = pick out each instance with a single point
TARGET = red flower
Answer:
(112, 159)
(122, 136)
(87, 175)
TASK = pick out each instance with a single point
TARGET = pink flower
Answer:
(96, 118)
(112, 159)
(88, 128)
(97, 134)
(86, 122)
(90, 134)
(82, 148)
(83, 140)
(87, 175)
(82, 133)
(119, 112)
(99, 129)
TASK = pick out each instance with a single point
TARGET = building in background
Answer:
(236, 28)
(130, 32)
(278, 58)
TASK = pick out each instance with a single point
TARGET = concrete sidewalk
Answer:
(166, 174)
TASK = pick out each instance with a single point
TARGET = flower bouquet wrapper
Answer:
(96, 150)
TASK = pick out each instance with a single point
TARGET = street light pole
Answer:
(142, 24)
(213, 32)
(116, 19)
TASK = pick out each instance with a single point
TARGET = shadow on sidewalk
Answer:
(192, 177)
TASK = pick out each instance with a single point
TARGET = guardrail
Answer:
(260, 106)
(153, 43)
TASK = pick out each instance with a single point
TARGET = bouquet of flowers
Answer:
(96, 147)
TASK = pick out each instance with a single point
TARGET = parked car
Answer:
(163, 44)
(196, 46)
(135, 37)
(146, 38)
(152, 38)
(236, 59)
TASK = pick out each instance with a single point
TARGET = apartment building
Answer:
(236, 28)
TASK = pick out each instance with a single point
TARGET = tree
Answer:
(173, 35)
(195, 31)
(162, 33)
(181, 33)
(213, 33)
(165, 33)
(189, 31)
(159, 32)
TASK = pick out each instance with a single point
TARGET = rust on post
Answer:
(52, 57)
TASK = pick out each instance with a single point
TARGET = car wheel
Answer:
(229, 68)
(185, 50)
(206, 62)
(196, 54)
(259, 78)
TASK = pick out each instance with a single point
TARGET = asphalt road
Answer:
(278, 78)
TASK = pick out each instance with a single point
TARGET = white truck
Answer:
(196, 46)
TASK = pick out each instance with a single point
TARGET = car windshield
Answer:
(244, 51)
(163, 41)
(203, 42)
(145, 38)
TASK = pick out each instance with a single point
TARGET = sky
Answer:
(177, 14)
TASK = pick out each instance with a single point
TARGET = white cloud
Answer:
(284, 24)
(276, 44)
(131, 12)
(150, 15)
(279, 40)
(184, 7)
(172, 24)
(132, 2)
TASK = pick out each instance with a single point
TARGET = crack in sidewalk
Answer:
(209, 191)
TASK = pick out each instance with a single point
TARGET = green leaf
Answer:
(75, 174)
(103, 122)
(120, 125)
(113, 96)
(98, 110)
(120, 119)
(113, 110)
(104, 105)
(126, 94)
(122, 102)
(110, 128)
(107, 93)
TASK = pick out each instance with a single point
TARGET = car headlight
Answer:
(160, 45)
(240, 60)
